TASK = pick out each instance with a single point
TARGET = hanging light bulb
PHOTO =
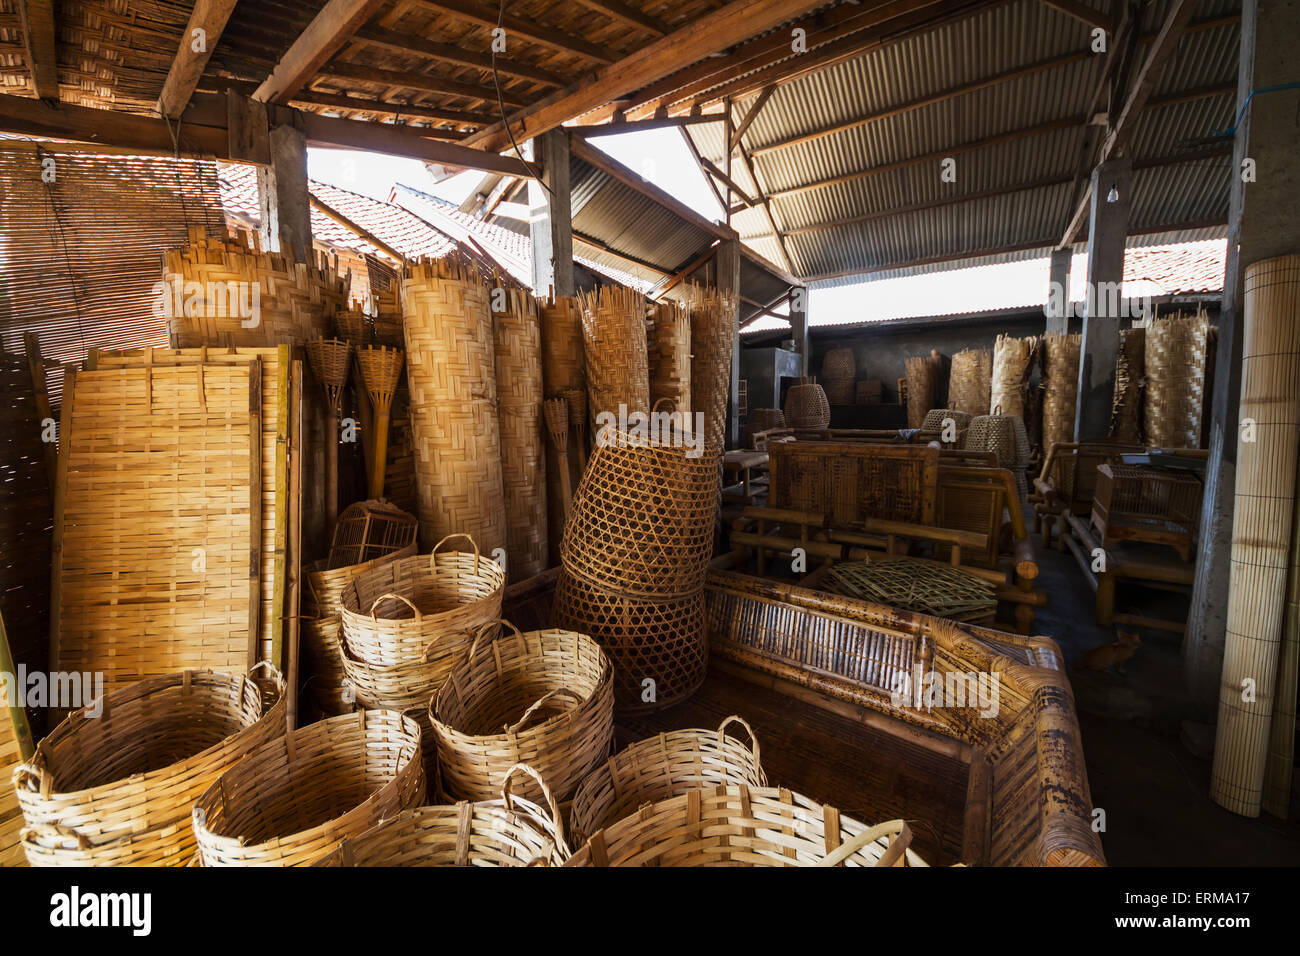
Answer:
(1113, 195)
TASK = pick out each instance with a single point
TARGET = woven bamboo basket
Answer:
(396, 612)
(713, 325)
(970, 381)
(659, 646)
(451, 374)
(511, 831)
(1261, 530)
(746, 826)
(937, 419)
(353, 325)
(763, 419)
(661, 767)
(115, 788)
(1060, 386)
(292, 800)
(1012, 360)
(1005, 436)
(922, 388)
(1126, 406)
(368, 530)
(670, 357)
(544, 698)
(518, 338)
(330, 363)
(1174, 356)
(614, 347)
(806, 407)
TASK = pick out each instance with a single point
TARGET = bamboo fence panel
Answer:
(1261, 530)
(614, 349)
(670, 357)
(1175, 352)
(518, 338)
(15, 747)
(451, 374)
(1012, 359)
(713, 317)
(1281, 749)
(274, 478)
(1126, 407)
(155, 528)
(970, 381)
(1060, 386)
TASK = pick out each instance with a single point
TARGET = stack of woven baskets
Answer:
(1005, 436)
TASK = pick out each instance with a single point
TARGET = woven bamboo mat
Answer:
(274, 479)
(155, 522)
(915, 586)
(670, 356)
(15, 747)
(713, 318)
(970, 381)
(1175, 351)
(1126, 406)
(1060, 387)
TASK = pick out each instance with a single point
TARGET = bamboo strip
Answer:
(15, 747)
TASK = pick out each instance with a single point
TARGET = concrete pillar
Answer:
(799, 325)
(283, 199)
(727, 261)
(1057, 309)
(1107, 230)
(1263, 221)
(550, 216)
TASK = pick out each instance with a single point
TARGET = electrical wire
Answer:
(501, 104)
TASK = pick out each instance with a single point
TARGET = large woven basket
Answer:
(806, 407)
(661, 767)
(745, 826)
(762, 419)
(544, 698)
(292, 800)
(398, 612)
(511, 831)
(1012, 360)
(1005, 436)
(116, 788)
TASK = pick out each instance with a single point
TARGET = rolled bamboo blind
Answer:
(1060, 387)
(1175, 358)
(1281, 746)
(713, 318)
(614, 349)
(1261, 531)
(970, 381)
(518, 338)
(922, 387)
(1012, 358)
(451, 375)
(670, 356)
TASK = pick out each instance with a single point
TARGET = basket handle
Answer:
(753, 739)
(390, 594)
(556, 823)
(467, 537)
(577, 699)
(901, 841)
(33, 779)
(655, 407)
(58, 830)
(483, 630)
(276, 674)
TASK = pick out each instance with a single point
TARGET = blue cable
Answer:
(1232, 130)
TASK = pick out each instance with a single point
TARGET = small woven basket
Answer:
(511, 831)
(661, 767)
(543, 698)
(115, 788)
(293, 799)
(806, 406)
(399, 611)
(936, 420)
(745, 826)
(763, 419)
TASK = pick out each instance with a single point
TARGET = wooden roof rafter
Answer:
(331, 28)
(198, 41)
(37, 20)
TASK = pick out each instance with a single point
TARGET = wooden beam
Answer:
(489, 16)
(1084, 13)
(712, 169)
(708, 180)
(207, 21)
(416, 45)
(329, 212)
(701, 38)
(550, 216)
(630, 16)
(675, 279)
(595, 243)
(37, 20)
(660, 122)
(767, 265)
(767, 209)
(396, 110)
(751, 115)
(419, 82)
(324, 37)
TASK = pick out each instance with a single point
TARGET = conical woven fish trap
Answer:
(1012, 359)
(292, 800)
(614, 347)
(114, 787)
(543, 698)
(1126, 406)
(1060, 386)
(670, 356)
(556, 411)
(664, 766)
(381, 369)
(915, 586)
(922, 388)
(451, 375)
(806, 407)
(713, 322)
(970, 381)
(659, 646)
(1175, 363)
(764, 419)
(353, 326)
(510, 831)
(746, 826)
(396, 612)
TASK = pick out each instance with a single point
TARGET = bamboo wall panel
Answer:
(518, 338)
(614, 350)
(451, 375)
(155, 535)
(1126, 407)
(970, 381)
(670, 356)
(1060, 386)
(713, 318)
(1175, 349)
(1012, 359)
(1261, 530)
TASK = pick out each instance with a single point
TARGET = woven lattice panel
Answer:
(1126, 406)
(1174, 401)
(614, 348)
(158, 472)
(518, 338)
(970, 381)
(670, 356)
(915, 586)
(1060, 386)
(713, 321)
(451, 374)
(1012, 359)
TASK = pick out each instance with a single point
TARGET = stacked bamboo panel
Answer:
(970, 381)
(614, 349)
(1012, 359)
(451, 374)
(670, 356)
(713, 327)
(1261, 531)
(518, 339)
(1126, 407)
(1060, 387)
(1175, 352)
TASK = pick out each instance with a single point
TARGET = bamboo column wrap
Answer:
(670, 357)
(1060, 387)
(1011, 360)
(712, 338)
(970, 381)
(1126, 407)
(518, 338)
(1174, 354)
(1261, 530)
(451, 377)
(614, 348)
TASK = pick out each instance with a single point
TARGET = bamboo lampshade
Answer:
(1060, 386)
(970, 381)
(1261, 531)
(451, 374)
(713, 322)
(670, 357)
(1175, 352)
(614, 347)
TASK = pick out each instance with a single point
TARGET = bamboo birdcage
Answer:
(1060, 386)
(1174, 355)
(970, 381)
(369, 530)
(451, 374)
(614, 349)
(1161, 506)
(670, 357)
(713, 324)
